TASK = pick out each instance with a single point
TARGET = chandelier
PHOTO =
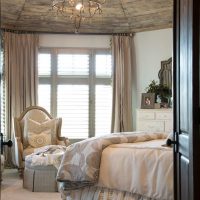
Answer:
(78, 10)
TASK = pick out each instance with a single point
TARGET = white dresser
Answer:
(158, 120)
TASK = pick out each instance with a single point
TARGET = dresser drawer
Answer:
(163, 115)
(157, 126)
(168, 126)
(146, 115)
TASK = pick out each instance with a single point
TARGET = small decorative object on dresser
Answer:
(163, 93)
(148, 100)
(156, 105)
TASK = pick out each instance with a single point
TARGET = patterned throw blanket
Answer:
(81, 162)
(47, 155)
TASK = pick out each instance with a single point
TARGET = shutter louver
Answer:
(3, 117)
(103, 106)
(44, 96)
(44, 64)
(70, 64)
(73, 107)
(44, 90)
(103, 65)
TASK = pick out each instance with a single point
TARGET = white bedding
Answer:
(144, 168)
(47, 155)
(133, 166)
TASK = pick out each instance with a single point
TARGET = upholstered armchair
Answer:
(35, 128)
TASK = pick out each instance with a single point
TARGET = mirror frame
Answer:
(165, 73)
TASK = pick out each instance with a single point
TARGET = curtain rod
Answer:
(16, 31)
(68, 33)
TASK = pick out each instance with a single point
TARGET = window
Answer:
(76, 85)
(2, 92)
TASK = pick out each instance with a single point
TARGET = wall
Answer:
(74, 41)
(151, 48)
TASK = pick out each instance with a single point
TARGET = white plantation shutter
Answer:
(72, 64)
(103, 65)
(2, 95)
(76, 85)
(73, 107)
(44, 64)
(44, 96)
(2, 105)
(44, 87)
(103, 107)
(103, 94)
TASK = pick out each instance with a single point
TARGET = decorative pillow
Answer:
(40, 134)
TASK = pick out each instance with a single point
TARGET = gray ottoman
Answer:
(40, 178)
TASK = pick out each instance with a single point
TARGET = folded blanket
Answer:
(81, 162)
(47, 155)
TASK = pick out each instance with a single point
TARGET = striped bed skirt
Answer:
(99, 193)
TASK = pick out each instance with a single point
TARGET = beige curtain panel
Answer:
(122, 84)
(21, 77)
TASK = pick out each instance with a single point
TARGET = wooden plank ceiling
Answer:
(119, 16)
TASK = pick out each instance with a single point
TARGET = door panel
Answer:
(184, 144)
(186, 94)
(184, 178)
(184, 65)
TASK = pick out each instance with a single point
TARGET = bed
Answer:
(122, 166)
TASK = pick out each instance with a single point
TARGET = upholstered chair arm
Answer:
(19, 152)
(63, 141)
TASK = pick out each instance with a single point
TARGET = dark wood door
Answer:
(186, 99)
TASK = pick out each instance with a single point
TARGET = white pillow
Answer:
(40, 134)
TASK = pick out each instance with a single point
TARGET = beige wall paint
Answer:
(151, 48)
(74, 41)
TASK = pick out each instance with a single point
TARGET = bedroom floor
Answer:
(11, 188)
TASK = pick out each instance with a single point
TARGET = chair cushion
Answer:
(36, 115)
(40, 134)
(27, 152)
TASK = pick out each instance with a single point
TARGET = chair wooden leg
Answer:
(21, 172)
(1, 166)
